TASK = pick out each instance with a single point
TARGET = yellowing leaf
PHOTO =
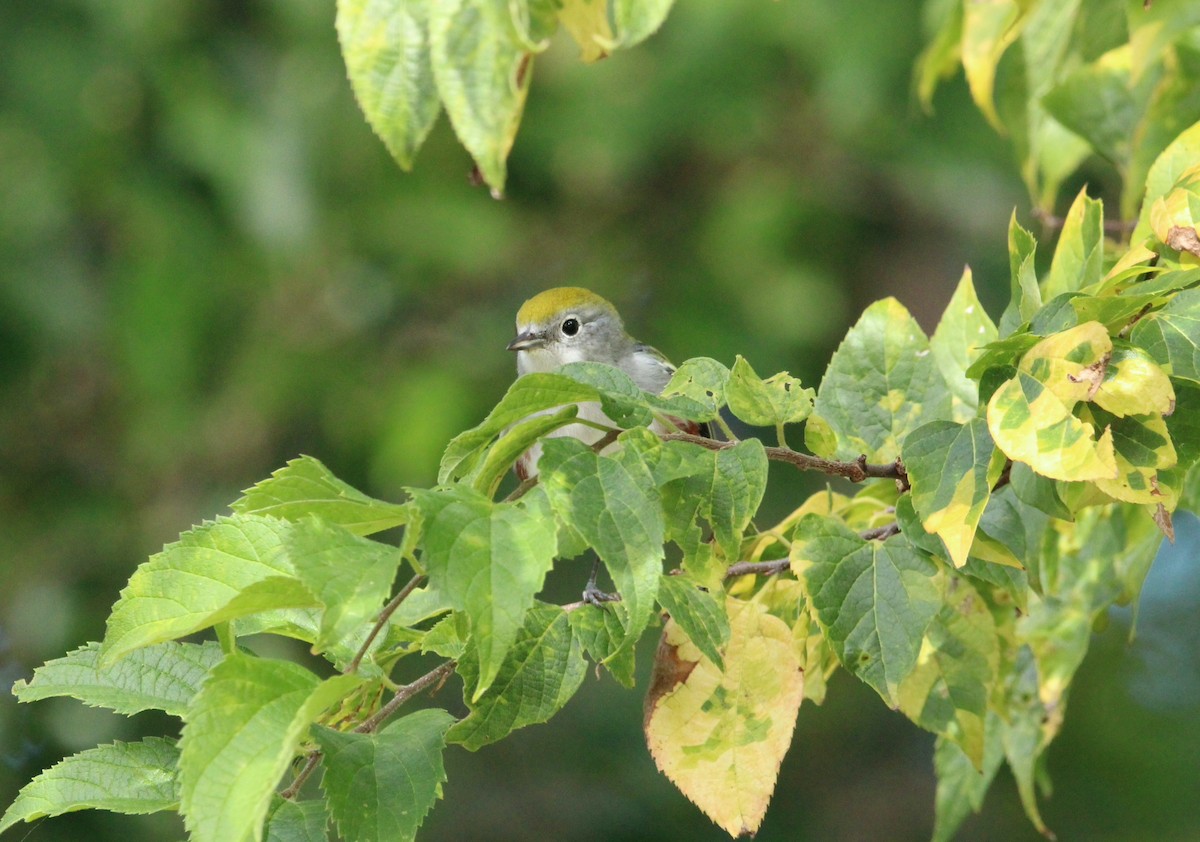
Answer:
(721, 735)
(1143, 447)
(1135, 385)
(587, 22)
(1174, 217)
(989, 28)
(776, 401)
(1030, 416)
(952, 469)
(957, 342)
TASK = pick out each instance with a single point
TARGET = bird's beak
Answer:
(526, 340)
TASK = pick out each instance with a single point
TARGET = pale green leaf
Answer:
(1079, 257)
(1097, 102)
(957, 342)
(778, 400)
(989, 28)
(1025, 297)
(381, 786)
(874, 599)
(161, 677)
(702, 380)
(385, 44)
(1181, 153)
(482, 69)
(223, 569)
(881, 384)
(240, 735)
(636, 20)
(943, 54)
(488, 560)
(350, 575)
(1134, 384)
(698, 613)
(131, 778)
(544, 668)
(306, 487)
(587, 22)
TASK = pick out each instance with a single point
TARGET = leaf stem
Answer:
(436, 675)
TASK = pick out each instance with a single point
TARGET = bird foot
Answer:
(592, 595)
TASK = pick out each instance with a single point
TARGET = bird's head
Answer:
(565, 325)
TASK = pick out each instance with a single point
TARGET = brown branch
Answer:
(384, 616)
(880, 533)
(436, 675)
(856, 471)
(757, 568)
(1052, 222)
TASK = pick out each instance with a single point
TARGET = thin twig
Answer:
(856, 471)
(1111, 226)
(310, 764)
(757, 568)
(880, 533)
(384, 616)
(435, 675)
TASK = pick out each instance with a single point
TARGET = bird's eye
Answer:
(570, 327)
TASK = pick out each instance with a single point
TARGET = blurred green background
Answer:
(208, 265)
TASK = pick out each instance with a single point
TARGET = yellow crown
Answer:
(547, 305)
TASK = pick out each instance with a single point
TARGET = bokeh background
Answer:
(208, 265)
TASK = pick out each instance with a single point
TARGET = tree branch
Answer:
(384, 616)
(856, 471)
(757, 568)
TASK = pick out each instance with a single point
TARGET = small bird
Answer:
(572, 324)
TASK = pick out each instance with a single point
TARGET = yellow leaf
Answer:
(720, 736)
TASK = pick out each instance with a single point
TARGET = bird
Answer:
(572, 324)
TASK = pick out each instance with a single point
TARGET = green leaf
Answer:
(881, 385)
(875, 600)
(1172, 335)
(961, 786)
(636, 20)
(699, 615)
(305, 487)
(626, 403)
(381, 786)
(1079, 256)
(543, 670)
(1038, 491)
(1097, 103)
(952, 469)
(1030, 416)
(957, 342)
(223, 569)
(947, 693)
(386, 47)
(613, 503)
(162, 677)
(1025, 297)
(989, 28)
(488, 560)
(702, 380)
(131, 778)
(240, 734)
(482, 69)
(587, 22)
(722, 487)
(1153, 28)
(942, 55)
(772, 402)
(1143, 449)
(1180, 154)
(351, 576)
(1023, 737)
(297, 821)
(514, 442)
(600, 632)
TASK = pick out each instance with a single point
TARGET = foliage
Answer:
(1007, 484)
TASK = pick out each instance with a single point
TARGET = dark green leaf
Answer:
(700, 616)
